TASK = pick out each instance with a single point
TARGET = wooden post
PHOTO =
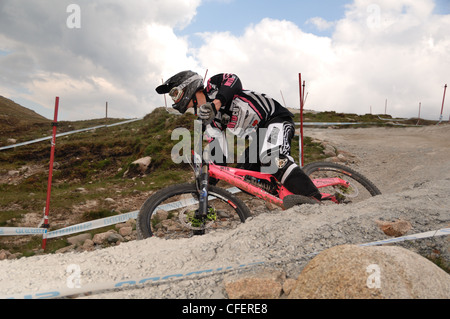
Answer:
(420, 106)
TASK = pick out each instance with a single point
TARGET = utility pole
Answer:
(106, 110)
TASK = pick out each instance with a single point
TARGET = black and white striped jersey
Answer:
(242, 110)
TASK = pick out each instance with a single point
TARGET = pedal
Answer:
(293, 200)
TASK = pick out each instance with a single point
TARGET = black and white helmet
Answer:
(182, 88)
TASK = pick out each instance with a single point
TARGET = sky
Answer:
(355, 56)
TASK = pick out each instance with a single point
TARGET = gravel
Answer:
(411, 167)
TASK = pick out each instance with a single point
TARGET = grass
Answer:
(94, 160)
(331, 116)
(313, 151)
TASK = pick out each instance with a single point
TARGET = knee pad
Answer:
(285, 164)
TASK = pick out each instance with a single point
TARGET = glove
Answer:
(207, 112)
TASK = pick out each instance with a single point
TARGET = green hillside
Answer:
(11, 111)
(13, 115)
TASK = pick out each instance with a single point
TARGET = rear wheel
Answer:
(169, 213)
(359, 187)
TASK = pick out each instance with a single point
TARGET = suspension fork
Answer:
(203, 190)
(202, 178)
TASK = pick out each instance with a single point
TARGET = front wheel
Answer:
(358, 186)
(169, 213)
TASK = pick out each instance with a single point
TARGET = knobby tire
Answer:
(224, 199)
(335, 170)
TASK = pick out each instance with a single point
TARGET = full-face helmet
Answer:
(182, 88)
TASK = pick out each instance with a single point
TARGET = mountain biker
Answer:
(224, 104)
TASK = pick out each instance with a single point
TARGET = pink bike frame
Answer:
(235, 177)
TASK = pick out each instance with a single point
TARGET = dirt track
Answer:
(395, 158)
(411, 166)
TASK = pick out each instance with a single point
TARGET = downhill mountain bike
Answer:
(184, 210)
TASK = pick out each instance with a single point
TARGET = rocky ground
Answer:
(410, 166)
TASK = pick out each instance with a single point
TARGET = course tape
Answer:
(436, 233)
(135, 283)
(21, 231)
(99, 223)
(392, 119)
(124, 284)
(67, 133)
(351, 123)
(79, 228)
(331, 123)
(95, 224)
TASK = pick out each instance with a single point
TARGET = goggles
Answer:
(176, 94)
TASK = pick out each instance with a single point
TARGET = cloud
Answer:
(384, 52)
(268, 56)
(118, 55)
(321, 24)
(393, 50)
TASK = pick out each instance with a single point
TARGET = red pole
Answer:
(50, 172)
(443, 100)
(302, 157)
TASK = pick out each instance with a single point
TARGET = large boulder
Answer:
(387, 272)
(267, 285)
